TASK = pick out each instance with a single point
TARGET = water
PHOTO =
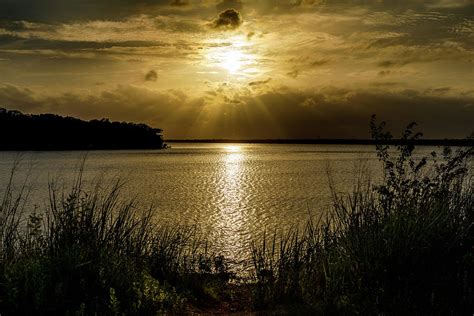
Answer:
(232, 192)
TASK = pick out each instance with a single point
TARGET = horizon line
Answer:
(335, 141)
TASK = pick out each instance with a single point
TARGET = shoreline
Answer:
(421, 142)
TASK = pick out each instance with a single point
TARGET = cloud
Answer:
(294, 73)
(344, 113)
(132, 38)
(230, 4)
(151, 76)
(10, 95)
(170, 108)
(179, 3)
(228, 19)
(319, 62)
(387, 63)
(372, 49)
(260, 82)
(279, 112)
(73, 10)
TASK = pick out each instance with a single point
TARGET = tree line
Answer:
(20, 131)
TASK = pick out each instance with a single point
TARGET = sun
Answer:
(233, 55)
(232, 61)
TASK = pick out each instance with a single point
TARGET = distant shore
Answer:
(420, 142)
(47, 132)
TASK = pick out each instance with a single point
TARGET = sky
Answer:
(236, 69)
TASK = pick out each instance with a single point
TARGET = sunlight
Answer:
(231, 219)
(232, 61)
(232, 55)
(232, 148)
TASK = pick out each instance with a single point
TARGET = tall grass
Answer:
(403, 246)
(89, 252)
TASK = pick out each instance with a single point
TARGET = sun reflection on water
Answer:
(232, 148)
(231, 217)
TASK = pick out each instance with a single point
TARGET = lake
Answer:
(233, 192)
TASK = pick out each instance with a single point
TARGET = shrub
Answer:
(90, 252)
(403, 246)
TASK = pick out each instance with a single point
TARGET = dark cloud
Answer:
(340, 113)
(18, 43)
(461, 7)
(260, 82)
(151, 76)
(179, 3)
(177, 25)
(387, 63)
(67, 10)
(306, 65)
(228, 19)
(294, 73)
(17, 97)
(229, 4)
(384, 84)
(319, 62)
(394, 4)
(279, 113)
(124, 103)
(442, 90)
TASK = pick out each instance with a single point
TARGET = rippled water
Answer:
(233, 192)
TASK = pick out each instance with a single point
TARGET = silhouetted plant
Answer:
(402, 246)
(92, 253)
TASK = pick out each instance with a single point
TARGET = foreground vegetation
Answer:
(90, 253)
(403, 246)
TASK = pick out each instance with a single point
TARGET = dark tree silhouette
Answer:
(20, 131)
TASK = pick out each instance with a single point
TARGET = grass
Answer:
(403, 246)
(90, 253)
